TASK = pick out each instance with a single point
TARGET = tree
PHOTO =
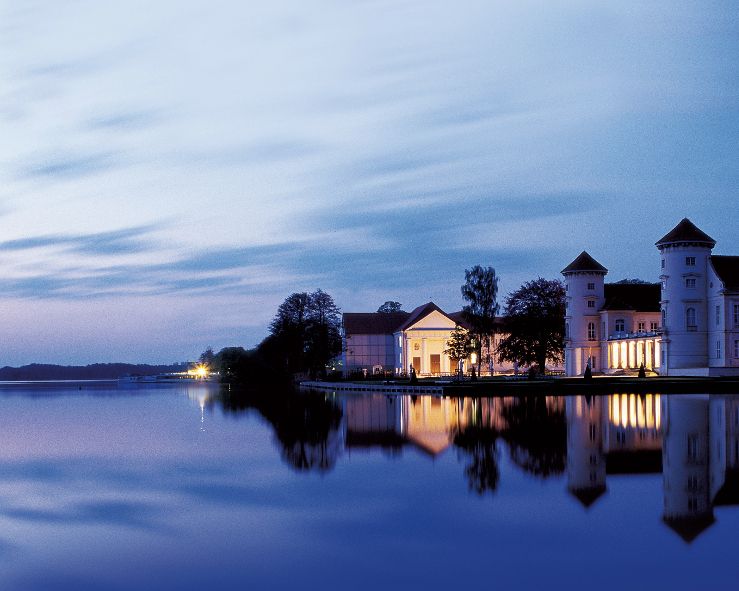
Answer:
(389, 307)
(632, 282)
(323, 334)
(289, 331)
(459, 345)
(535, 324)
(208, 358)
(305, 333)
(480, 290)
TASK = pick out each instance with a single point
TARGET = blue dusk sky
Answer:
(170, 171)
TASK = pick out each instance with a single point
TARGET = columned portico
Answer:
(632, 352)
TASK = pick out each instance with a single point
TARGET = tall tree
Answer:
(289, 329)
(535, 324)
(305, 333)
(323, 334)
(389, 306)
(480, 291)
(459, 345)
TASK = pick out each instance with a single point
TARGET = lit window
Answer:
(690, 282)
(591, 303)
(653, 326)
(690, 261)
(591, 331)
(690, 321)
(591, 286)
(620, 325)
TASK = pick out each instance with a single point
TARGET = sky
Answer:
(170, 171)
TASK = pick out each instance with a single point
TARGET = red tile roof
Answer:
(373, 322)
(642, 297)
(389, 323)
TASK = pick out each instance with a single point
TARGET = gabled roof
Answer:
(641, 297)
(584, 262)
(686, 231)
(373, 322)
(392, 322)
(727, 269)
(422, 312)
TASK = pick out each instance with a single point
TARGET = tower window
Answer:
(692, 447)
(663, 263)
(591, 331)
(690, 261)
(718, 349)
(591, 286)
(690, 282)
(664, 318)
(591, 303)
(690, 322)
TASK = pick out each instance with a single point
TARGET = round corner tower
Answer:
(584, 281)
(685, 252)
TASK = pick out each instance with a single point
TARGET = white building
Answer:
(686, 325)
(394, 342)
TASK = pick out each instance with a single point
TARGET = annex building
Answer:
(379, 342)
(685, 325)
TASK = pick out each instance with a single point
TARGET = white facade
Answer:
(691, 327)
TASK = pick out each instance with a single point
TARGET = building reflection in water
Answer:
(700, 454)
(692, 440)
(618, 434)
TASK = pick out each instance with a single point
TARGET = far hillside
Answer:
(96, 371)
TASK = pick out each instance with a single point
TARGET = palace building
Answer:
(685, 325)
(394, 342)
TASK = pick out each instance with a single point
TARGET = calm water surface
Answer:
(188, 487)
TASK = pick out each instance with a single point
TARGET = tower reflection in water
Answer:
(692, 440)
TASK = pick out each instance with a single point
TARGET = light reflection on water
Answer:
(185, 487)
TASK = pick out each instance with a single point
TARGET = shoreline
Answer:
(555, 386)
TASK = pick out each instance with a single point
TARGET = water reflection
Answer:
(692, 440)
(700, 455)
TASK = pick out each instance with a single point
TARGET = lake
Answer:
(193, 487)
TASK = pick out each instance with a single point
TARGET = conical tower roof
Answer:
(584, 262)
(686, 231)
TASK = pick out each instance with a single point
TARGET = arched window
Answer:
(620, 325)
(690, 321)
(591, 331)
